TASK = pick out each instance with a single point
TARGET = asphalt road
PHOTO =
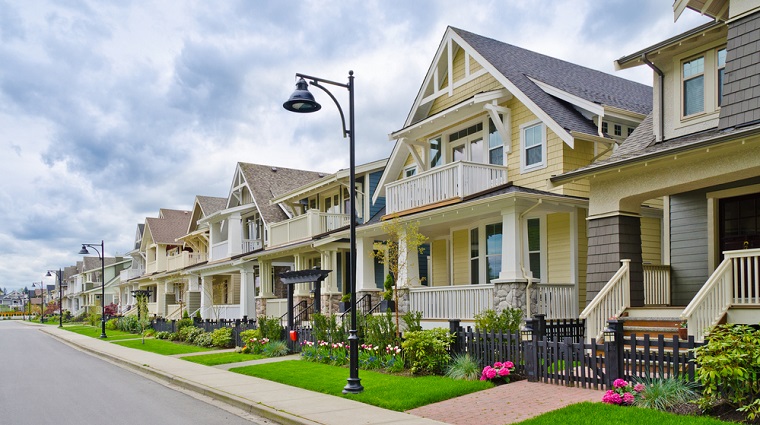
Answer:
(43, 381)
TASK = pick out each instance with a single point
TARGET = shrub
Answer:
(380, 330)
(203, 339)
(174, 336)
(412, 320)
(111, 324)
(184, 322)
(327, 328)
(665, 393)
(275, 349)
(728, 368)
(507, 321)
(270, 327)
(427, 351)
(188, 334)
(248, 335)
(197, 314)
(163, 335)
(222, 338)
(149, 332)
(463, 367)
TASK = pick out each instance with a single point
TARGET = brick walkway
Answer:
(506, 404)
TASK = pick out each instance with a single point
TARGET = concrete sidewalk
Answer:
(290, 405)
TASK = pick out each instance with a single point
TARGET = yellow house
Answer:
(490, 125)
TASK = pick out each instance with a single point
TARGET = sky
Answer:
(110, 111)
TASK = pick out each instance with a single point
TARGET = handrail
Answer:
(303, 307)
(365, 301)
(611, 301)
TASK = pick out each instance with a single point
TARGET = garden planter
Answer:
(344, 306)
(683, 333)
(386, 305)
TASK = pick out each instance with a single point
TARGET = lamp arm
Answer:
(315, 83)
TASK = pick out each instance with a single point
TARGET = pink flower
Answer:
(628, 398)
(620, 383)
(639, 387)
(497, 365)
(503, 371)
(611, 397)
(509, 365)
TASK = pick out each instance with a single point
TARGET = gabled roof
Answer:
(171, 225)
(211, 204)
(267, 182)
(93, 263)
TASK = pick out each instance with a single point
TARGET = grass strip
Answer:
(222, 358)
(95, 331)
(587, 413)
(160, 346)
(394, 392)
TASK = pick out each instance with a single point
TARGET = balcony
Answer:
(305, 226)
(252, 244)
(128, 274)
(184, 259)
(451, 181)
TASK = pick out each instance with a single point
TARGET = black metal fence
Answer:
(237, 325)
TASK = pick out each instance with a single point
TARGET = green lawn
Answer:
(95, 331)
(222, 358)
(392, 392)
(161, 346)
(600, 413)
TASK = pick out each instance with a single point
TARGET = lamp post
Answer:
(101, 253)
(302, 101)
(58, 273)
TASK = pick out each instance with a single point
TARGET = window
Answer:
(409, 172)
(694, 86)
(605, 128)
(474, 257)
(618, 130)
(469, 146)
(534, 146)
(435, 152)
(630, 130)
(534, 246)
(493, 251)
(495, 145)
(721, 69)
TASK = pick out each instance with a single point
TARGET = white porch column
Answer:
(207, 298)
(234, 235)
(193, 283)
(161, 300)
(329, 285)
(511, 249)
(247, 291)
(267, 287)
(365, 266)
(408, 264)
(301, 289)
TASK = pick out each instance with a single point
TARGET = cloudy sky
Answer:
(112, 110)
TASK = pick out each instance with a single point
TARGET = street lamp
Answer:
(302, 101)
(59, 273)
(101, 253)
(42, 299)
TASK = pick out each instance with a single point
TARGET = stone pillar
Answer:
(611, 239)
(514, 295)
(247, 291)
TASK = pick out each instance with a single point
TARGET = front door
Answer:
(739, 223)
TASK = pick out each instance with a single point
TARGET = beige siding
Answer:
(461, 257)
(651, 241)
(483, 83)
(582, 255)
(458, 64)
(440, 266)
(575, 158)
(558, 247)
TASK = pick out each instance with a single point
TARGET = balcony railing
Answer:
(252, 244)
(445, 302)
(151, 267)
(656, 285)
(557, 301)
(305, 226)
(184, 259)
(127, 274)
(219, 250)
(454, 180)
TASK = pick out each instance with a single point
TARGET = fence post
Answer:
(174, 326)
(539, 325)
(454, 330)
(613, 350)
(529, 345)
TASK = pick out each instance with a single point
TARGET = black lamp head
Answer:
(302, 100)
(84, 250)
(48, 274)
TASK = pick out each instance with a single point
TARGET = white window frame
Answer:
(703, 74)
(523, 157)
(718, 68)
(408, 170)
(543, 250)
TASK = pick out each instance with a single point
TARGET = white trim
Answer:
(592, 107)
(525, 168)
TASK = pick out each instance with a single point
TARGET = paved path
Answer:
(504, 404)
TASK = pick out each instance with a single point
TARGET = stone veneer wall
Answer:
(514, 295)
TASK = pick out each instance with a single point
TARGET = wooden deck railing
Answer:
(656, 285)
(611, 301)
(446, 302)
(557, 300)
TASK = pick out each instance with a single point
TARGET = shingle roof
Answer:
(172, 225)
(211, 204)
(266, 182)
(519, 65)
(93, 263)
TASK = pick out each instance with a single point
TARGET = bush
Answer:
(275, 349)
(728, 368)
(188, 334)
(463, 367)
(149, 332)
(222, 338)
(184, 322)
(327, 328)
(111, 324)
(412, 320)
(270, 328)
(427, 351)
(163, 335)
(507, 321)
(203, 339)
(380, 330)
(248, 335)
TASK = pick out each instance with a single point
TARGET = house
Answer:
(698, 151)
(14, 300)
(489, 127)
(84, 288)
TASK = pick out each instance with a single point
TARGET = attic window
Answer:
(694, 86)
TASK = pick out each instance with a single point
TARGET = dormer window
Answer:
(702, 82)
(694, 86)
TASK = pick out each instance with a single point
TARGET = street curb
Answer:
(246, 405)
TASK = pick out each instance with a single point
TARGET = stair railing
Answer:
(298, 310)
(611, 301)
(363, 304)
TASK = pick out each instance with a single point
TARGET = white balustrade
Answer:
(304, 226)
(128, 274)
(184, 259)
(557, 300)
(656, 285)
(276, 307)
(226, 311)
(446, 302)
(611, 301)
(219, 250)
(252, 245)
(152, 308)
(151, 267)
(454, 180)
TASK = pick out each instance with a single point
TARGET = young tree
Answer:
(403, 238)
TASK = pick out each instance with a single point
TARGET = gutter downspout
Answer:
(662, 94)
(522, 264)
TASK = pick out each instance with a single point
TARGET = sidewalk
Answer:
(289, 405)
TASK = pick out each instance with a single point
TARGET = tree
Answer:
(403, 238)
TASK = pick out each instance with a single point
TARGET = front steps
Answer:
(652, 321)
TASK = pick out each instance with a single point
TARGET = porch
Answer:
(223, 250)
(184, 259)
(455, 180)
(304, 226)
